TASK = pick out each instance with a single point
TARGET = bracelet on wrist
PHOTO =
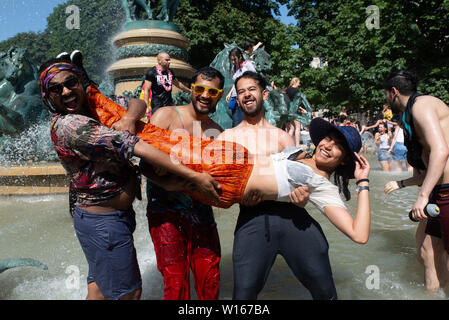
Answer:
(361, 180)
(362, 188)
(401, 184)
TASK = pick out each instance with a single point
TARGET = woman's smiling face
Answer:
(330, 152)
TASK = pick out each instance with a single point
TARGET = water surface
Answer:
(40, 227)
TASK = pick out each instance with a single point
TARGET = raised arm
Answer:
(358, 228)
(393, 142)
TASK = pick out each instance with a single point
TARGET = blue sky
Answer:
(31, 15)
(24, 15)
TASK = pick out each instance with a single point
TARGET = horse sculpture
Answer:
(20, 100)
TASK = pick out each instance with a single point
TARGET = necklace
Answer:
(166, 86)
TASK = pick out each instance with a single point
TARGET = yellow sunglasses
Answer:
(213, 92)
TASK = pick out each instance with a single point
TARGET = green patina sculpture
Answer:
(151, 50)
(134, 10)
(20, 99)
(278, 108)
(20, 262)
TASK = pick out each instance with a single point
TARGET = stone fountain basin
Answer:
(48, 178)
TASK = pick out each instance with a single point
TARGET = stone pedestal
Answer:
(137, 48)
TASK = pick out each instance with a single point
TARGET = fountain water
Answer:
(41, 227)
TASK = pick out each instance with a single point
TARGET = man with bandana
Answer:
(97, 159)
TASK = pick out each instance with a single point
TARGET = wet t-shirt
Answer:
(160, 97)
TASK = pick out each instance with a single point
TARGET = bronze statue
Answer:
(20, 101)
(134, 9)
(20, 262)
(278, 108)
(168, 10)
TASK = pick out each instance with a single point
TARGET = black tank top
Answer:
(414, 148)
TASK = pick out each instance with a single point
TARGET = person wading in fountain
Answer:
(270, 228)
(97, 159)
(183, 230)
(425, 120)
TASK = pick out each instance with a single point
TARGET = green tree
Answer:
(209, 24)
(411, 35)
(100, 20)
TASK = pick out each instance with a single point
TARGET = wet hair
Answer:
(209, 73)
(341, 178)
(405, 81)
(255, 76)
(342, 118)
(248, 45)
(235, 52)
(342, 182)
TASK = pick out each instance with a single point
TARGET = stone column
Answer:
(137, 48)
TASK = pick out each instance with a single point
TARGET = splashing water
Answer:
(33, 145)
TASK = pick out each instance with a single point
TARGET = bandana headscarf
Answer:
(48, 74)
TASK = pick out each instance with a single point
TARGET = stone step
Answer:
(34, 179)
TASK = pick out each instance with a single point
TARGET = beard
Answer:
(207, 111)
(254, 112)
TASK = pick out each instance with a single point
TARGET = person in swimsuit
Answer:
(398, 150)
(425, 120)
(183, 230)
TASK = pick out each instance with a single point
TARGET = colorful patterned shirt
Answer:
(95, 157)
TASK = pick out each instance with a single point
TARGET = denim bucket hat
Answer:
(320, 128)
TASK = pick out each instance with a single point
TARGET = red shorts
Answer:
(181, 246)
(439, 226)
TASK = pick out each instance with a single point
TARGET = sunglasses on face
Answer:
(70, 83)
(213, 92)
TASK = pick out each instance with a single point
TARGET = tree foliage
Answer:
(412, 35)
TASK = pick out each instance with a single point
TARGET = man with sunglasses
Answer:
(183, 230)
(159, 80)
(97, 159)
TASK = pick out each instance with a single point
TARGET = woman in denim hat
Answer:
(335, 152)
